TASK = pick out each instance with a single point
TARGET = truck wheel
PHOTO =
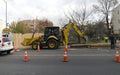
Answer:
(34, 45)
(52, 44)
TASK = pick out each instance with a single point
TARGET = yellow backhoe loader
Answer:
(53, 37)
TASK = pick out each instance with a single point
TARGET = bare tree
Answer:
(105, 7)
(63, 22)
(81, 14)
(41, 24)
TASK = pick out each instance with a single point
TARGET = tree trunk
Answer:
(78, 39)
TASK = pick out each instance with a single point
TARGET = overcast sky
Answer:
(30, 9)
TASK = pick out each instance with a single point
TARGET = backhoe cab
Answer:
(51, 38)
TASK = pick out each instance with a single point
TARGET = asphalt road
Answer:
(50, 62)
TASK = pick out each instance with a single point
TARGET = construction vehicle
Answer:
(53, 37)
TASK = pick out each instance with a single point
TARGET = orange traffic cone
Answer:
(38, 49)
(66, 49)
(26, 56)
(65, 58)
(117, 55)
(15, 49)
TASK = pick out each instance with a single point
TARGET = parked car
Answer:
(6, 45)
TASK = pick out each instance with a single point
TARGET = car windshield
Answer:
(5, 35)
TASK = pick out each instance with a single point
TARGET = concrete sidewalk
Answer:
(96, 45)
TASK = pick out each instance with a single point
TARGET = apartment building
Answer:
(31, 23)
(116, 19)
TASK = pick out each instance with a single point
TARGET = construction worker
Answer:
(112, 41)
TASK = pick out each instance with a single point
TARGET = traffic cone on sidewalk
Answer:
(117, 55)
(38, 49)
(65, 58)
(26, 56)
(15, 49)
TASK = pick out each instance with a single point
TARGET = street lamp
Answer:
(6, 11)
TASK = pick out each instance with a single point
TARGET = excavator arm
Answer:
(65, 32)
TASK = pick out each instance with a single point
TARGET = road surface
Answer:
(50, 62)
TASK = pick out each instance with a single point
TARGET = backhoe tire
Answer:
(35, 45)
(53, 44)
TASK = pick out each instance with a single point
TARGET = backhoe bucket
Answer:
(28, 41)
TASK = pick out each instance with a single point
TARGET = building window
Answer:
(31, 26)
(118, 12)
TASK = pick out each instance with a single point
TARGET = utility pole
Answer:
(6, 11)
